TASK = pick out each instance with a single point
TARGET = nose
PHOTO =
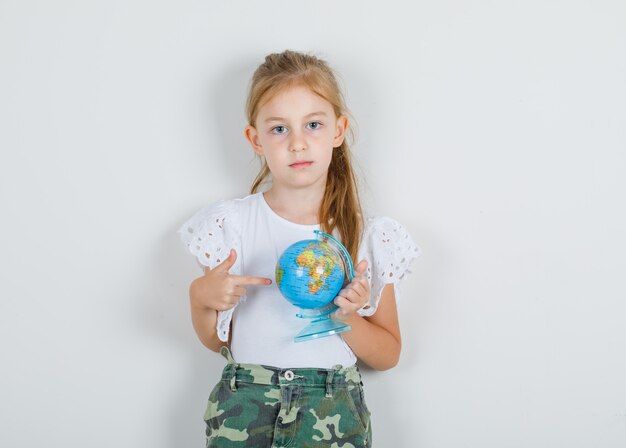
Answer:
(297, 142)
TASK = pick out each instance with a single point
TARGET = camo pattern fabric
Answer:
(263, 406)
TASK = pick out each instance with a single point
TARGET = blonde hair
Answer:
(341, 207)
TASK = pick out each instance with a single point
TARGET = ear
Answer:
(252, 136)
(340, 132)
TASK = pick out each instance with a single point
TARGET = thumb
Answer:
(361, 268)
(229, 262)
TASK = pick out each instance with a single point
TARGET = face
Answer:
(296, 132)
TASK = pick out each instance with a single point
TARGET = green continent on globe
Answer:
(279, 274)
(319, 266)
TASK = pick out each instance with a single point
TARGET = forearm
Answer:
(204, 320)
(204, 323)
(372, 344)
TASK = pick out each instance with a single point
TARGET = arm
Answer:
(203, 318)
(376, 340)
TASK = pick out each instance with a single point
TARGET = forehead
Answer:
(297, 100)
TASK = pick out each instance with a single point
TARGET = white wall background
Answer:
(493, 130)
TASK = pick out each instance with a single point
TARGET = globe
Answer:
(309, 274)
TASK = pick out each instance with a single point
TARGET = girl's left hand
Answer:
(355, 295)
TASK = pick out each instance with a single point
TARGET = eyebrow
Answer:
(312, 114)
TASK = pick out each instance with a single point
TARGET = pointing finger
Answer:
(247, 280)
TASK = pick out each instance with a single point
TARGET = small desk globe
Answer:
(310, 274)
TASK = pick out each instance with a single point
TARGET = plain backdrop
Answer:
(494, 131)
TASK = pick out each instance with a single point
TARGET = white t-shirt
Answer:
(264, 323)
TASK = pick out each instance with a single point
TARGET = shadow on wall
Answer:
(227, 103)
(164, 313)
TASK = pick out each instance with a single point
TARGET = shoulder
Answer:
(385, 230)
(213, 216)
(389, 250)
(214, 229)
(217, 213)
(386, 239)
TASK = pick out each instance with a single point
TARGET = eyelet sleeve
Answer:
(389, 251)
(209, 235)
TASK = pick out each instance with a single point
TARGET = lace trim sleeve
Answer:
(209, 235)
(389, 251)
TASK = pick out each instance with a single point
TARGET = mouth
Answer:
(301, 164)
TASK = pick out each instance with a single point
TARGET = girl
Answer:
(274, 392)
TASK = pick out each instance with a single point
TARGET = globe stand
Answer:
(322, 325)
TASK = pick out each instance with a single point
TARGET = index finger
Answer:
(248, 280)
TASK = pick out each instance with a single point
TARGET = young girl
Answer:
(275, 392)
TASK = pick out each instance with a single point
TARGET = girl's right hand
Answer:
(219, 290)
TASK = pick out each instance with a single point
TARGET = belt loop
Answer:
(287, 393)
(233, 377)
(225, 352)
(329, 381)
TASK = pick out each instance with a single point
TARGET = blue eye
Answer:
(314, 125)
(279, 129)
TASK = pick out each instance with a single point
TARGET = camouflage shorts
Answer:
(262, 406)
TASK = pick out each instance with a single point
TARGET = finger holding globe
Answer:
(355, 295)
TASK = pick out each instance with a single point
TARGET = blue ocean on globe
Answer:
(310, 273)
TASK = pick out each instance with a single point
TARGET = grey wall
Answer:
(494, 131)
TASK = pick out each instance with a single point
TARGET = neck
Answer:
(299, 206)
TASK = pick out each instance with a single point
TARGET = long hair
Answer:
(341, 207)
